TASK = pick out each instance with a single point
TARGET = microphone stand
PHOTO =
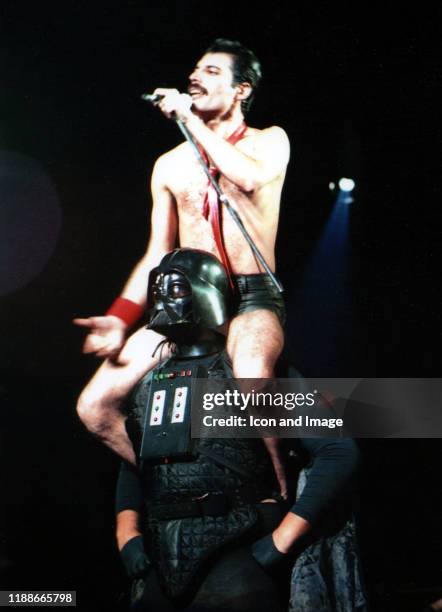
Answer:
(223, 198)
(153, 99)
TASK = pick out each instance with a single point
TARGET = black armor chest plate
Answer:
(199, 494)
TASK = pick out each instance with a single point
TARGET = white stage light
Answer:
(346, 184)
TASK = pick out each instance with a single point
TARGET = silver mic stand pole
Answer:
(223, 198)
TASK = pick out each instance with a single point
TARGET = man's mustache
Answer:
(196, 89)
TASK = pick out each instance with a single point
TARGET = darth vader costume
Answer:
(206, 532)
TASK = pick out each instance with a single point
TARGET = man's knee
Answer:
(84, 409)
(99, 404)
(90, 411)
(254, 344)
(98, 411)
(246, 366)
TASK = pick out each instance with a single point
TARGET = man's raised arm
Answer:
(249, 171)
(107, 333)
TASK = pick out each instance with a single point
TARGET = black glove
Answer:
(135, 560)
(265, 552)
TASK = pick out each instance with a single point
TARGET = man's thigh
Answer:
(115, 378)
(254, 336)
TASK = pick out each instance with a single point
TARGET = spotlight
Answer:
(346, 184)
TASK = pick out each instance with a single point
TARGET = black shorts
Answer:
(255, 291)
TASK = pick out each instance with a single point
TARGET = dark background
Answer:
(356, 88)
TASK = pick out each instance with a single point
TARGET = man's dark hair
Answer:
(246, 66)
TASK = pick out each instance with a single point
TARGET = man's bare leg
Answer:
(99, 405)
(254, 344)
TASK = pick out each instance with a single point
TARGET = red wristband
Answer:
(126, 310)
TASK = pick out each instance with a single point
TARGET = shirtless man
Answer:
(251, 175)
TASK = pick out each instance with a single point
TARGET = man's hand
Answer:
(266, 553)
(106, 335)
(174, 104)
(135, 560)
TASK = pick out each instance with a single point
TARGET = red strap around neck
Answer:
(211, 209)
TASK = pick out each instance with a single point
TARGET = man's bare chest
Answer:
(189, 186)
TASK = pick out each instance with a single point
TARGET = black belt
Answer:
(253, 282)
(215, 503)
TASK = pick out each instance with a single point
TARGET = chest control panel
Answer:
(166, 431)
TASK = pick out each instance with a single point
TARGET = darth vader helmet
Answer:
(189, 290)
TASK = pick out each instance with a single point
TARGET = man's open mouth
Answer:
(196, 92)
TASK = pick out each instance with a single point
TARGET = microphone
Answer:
(152, 98)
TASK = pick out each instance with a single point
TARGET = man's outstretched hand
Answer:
(106, 335)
